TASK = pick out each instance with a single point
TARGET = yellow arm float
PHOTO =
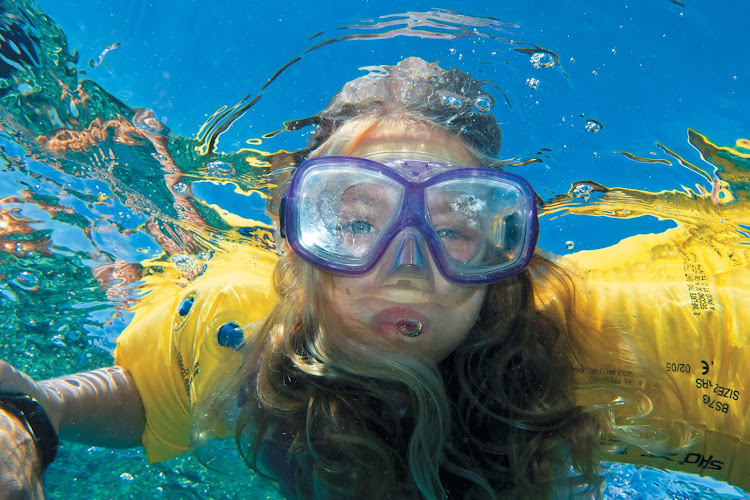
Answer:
(171, 346)
(687, 307)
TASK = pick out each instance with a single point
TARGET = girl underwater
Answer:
(413, 342)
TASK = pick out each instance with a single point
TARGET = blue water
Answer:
(647, 71)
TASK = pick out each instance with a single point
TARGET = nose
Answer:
(406, 263)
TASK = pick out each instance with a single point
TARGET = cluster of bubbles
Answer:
(181, 188)
(542, 60)
(482, 103)
(188, 265)
(451, 100)
(220, 169)
(583, 191)
(593, 125)
(539, 60)
(127, 477)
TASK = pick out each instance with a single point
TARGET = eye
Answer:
(356, 237)
(357, 227)
(448, 234)
(461, 243)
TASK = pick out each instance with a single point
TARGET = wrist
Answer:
(51, 398)
(31, 414)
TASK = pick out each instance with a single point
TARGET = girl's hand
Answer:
(13, 380)
(20, 471)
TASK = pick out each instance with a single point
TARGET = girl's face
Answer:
(394, 299)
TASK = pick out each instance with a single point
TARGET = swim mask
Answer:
(345, 215)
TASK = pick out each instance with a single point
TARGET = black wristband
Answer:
(33, 416)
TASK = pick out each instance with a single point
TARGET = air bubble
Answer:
(127, 477)
(542, 60)
(483, 104)
(181, 188)
(593, 125)
(220, 169)
(8, 294)
(533, 83)
(25, 89)
(569, 245)
(408, 327)
(145, 120)
(58, 340)
(26, 280)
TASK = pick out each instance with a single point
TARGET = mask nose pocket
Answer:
(406, 263)
(409, 257)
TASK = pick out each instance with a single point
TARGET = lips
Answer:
(391, 320)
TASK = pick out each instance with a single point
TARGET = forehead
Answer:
(382, 143)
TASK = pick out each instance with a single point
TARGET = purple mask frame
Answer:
(412, 214)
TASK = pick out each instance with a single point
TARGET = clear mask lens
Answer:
(342, 214)
(478, 224)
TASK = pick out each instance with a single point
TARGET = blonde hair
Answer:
(494, 419)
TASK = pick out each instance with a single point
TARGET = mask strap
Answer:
(282, 216)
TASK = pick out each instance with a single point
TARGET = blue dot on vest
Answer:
(185, 306)
(230, 335)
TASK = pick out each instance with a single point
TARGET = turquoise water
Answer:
(163, 144)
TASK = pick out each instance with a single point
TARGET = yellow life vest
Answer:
(687, 307)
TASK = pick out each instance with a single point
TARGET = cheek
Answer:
(460, 320)
(451, 328)
(349, 286)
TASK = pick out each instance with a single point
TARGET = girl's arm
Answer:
(101, 407)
